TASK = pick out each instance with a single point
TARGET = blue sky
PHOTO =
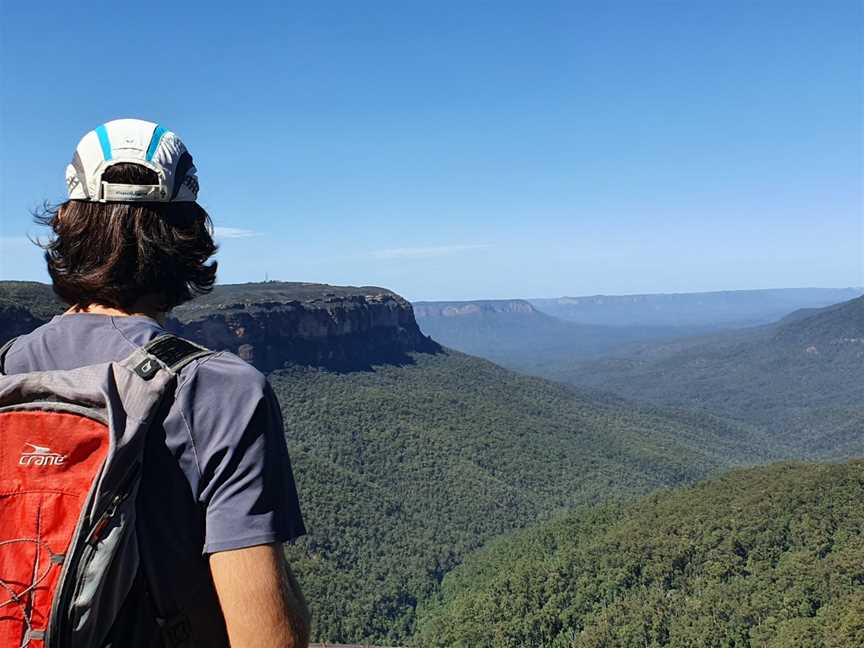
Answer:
(457, 150)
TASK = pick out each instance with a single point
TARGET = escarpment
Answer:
(337, 328)
(271, 325)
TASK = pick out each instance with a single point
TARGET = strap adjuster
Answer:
(147, 368)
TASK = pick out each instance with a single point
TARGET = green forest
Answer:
(402, 471)
(765, 557)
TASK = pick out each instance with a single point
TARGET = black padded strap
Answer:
(172, 352)
(3, 350)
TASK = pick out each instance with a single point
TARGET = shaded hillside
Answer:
(271, 324)
(516, 335)
(24, 305)
(405, 469)
(723, 309)
(770, 557)
(36, 298)
(802, 379)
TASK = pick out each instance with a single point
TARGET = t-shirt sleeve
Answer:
(246, 486)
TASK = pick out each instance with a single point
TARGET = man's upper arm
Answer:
(246, 486)
(260, 599)
(249, 500)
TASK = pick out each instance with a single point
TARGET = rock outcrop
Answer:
(275, 325)
(468, 308)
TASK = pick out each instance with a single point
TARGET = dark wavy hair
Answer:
(113, 254)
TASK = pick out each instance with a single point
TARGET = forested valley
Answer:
(452, 502)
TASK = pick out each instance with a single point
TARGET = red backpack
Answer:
(71, 457)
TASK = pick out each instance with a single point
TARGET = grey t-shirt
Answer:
(224, 427)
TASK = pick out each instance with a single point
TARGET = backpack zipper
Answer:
(123, 492)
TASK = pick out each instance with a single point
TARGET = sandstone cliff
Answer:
(271, 325)
(468, 308)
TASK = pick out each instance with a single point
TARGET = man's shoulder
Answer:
(223, 405)
(79, 340)
(222, 375)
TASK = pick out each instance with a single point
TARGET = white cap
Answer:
(138, 142)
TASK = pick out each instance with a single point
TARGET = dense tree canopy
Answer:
(405, 469)
(770, 557)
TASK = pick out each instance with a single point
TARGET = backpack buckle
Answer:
(147, 368)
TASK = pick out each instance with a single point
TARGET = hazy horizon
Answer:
(859, 289)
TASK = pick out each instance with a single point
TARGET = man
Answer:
(217, 498)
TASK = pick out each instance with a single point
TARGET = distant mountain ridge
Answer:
(515, 334)
(802, 379)
(426, 309)
(837, 324)
(720, 309)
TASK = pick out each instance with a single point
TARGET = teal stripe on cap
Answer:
(102, 132)
(158, 132)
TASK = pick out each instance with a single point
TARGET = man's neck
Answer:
(98, 309)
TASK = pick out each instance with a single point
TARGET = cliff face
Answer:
(461, 309)
(333, 330)
(274, 324)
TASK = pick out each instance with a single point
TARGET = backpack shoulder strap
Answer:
(169, 352)
(175, 352)
(3, 351)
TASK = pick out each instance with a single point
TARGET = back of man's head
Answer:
(131, 228)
